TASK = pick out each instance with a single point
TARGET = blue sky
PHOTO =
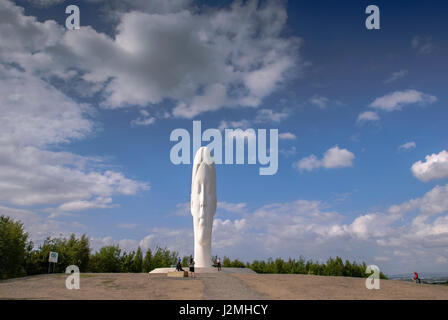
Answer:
(363, 160)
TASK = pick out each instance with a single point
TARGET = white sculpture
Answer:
(203, 205)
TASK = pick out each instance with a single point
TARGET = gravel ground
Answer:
(222, 285)
(103, 286)
(305, 287)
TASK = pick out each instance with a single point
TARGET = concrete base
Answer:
(206, 270)
(163, 270)
(178, 274)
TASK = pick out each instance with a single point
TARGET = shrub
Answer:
(13, 245)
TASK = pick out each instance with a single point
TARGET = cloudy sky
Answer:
(86, 117)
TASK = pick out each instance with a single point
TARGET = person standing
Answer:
(218, 262)
(191, 265)
(179, 265)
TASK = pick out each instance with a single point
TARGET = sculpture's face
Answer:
(203, 201)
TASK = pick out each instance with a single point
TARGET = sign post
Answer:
(52, 258)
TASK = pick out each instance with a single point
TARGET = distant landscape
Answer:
(426, 277)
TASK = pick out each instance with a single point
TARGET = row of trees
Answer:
(113, 259)
(333, 267)
(108, 259)
(19, 257)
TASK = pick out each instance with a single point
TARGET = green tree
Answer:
(75, 251)
(163, 257)
(147, 261)
(137, 262)
(126, 261)
(334, 267)
(185, 261)
(30, 259)
(107, 259)
(13, 242)
(279, 266)
(71, 251)
(226, 262)
(237, 264)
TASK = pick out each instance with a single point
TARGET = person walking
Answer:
(416, 278)
(218, 262)
(191, 266)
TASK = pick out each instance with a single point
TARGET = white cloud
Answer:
(24, 40)
(407, 145)
(287, 136)
(262, 116)
(144, 120)
(268, 115)
(370, 225)
(97, 243)
(202, 61)
(114, 8)
(288, 152)
(128, 245)
(227, 233)
(30, 116)
(368, 116)
(238, 124)
(395, 101)
(396, 76)
(232, 207)
(45, 3)
(422, 46)
(31, 176)
(35, 117)
(182, 209)
(214, 97)
(319, 101)
(434, 201)
(40, 226)
(434, 167)
(337, 158)
(308, 163)
(79, 205)
(180, 240)
(333, 158)
(322, 102)
(311, 227)
(398, 99)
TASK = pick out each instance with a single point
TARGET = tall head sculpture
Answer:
(203, 205)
